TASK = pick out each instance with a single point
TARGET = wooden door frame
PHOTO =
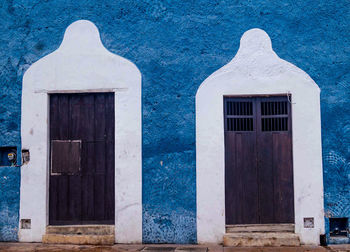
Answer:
(82, 65)
(257, 70)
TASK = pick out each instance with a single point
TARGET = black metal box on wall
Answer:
(338, 227)
(8, 156)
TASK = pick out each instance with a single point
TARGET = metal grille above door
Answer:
(239, 115)
(274, 115)
(258, 160)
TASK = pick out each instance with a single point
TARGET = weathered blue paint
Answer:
(9, 203)
(176, 45)
(337, 183)
(10, 102)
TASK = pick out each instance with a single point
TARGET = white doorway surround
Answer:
(82, 64)
(257, 70)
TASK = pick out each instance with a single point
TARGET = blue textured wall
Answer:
(10, 97)
(176, 45)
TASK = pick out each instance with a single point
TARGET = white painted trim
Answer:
(82, 64)
(96, 90)
(257, 70)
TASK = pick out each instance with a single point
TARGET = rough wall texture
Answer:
(176, 45)
(10, 102)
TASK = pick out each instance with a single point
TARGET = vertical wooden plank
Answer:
(54, 117)
(87, 117)
(75, 131)
(74, 209)
(100, 134)
(99, 195)
(53, 200)
(266, 175)
(238, 181)
(246, 163)
(110, 198)
(110, 159)
(75, 116)
(53, 182)
(230, 177)
(264, 168)
(63, 121)
(100, 155)
(87, 134)
(74, 157)
(88, 198)
(88, 163)
(63, 199)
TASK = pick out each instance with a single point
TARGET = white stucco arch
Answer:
(82, 64)
(257, 70)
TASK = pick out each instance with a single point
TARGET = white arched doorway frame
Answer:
(257, 70)
(80, 65)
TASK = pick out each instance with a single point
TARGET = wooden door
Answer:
(258, 160)
(81, 189)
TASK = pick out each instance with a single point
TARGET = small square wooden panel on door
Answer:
(65, 157)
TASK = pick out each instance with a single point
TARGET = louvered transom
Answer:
(274, 124)
(274, 116)
(239, 108)
(239, 124)
(257, 114)
(274, 108)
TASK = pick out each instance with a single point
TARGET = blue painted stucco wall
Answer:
(10, 102)
(176, 45)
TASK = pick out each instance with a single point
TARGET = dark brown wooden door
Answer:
(81, 189)
(258, 160)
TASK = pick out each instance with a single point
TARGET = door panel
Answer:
(283, 173)
(266, 178)
(245, 162)
(85, 196)
(240, 153)
(258, 161)
(240, 158)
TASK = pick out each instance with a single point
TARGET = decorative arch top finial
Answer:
(82, 35)
(255, 40)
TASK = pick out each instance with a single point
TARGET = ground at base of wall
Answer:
(31, 247)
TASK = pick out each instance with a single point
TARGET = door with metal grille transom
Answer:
(258, 160)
